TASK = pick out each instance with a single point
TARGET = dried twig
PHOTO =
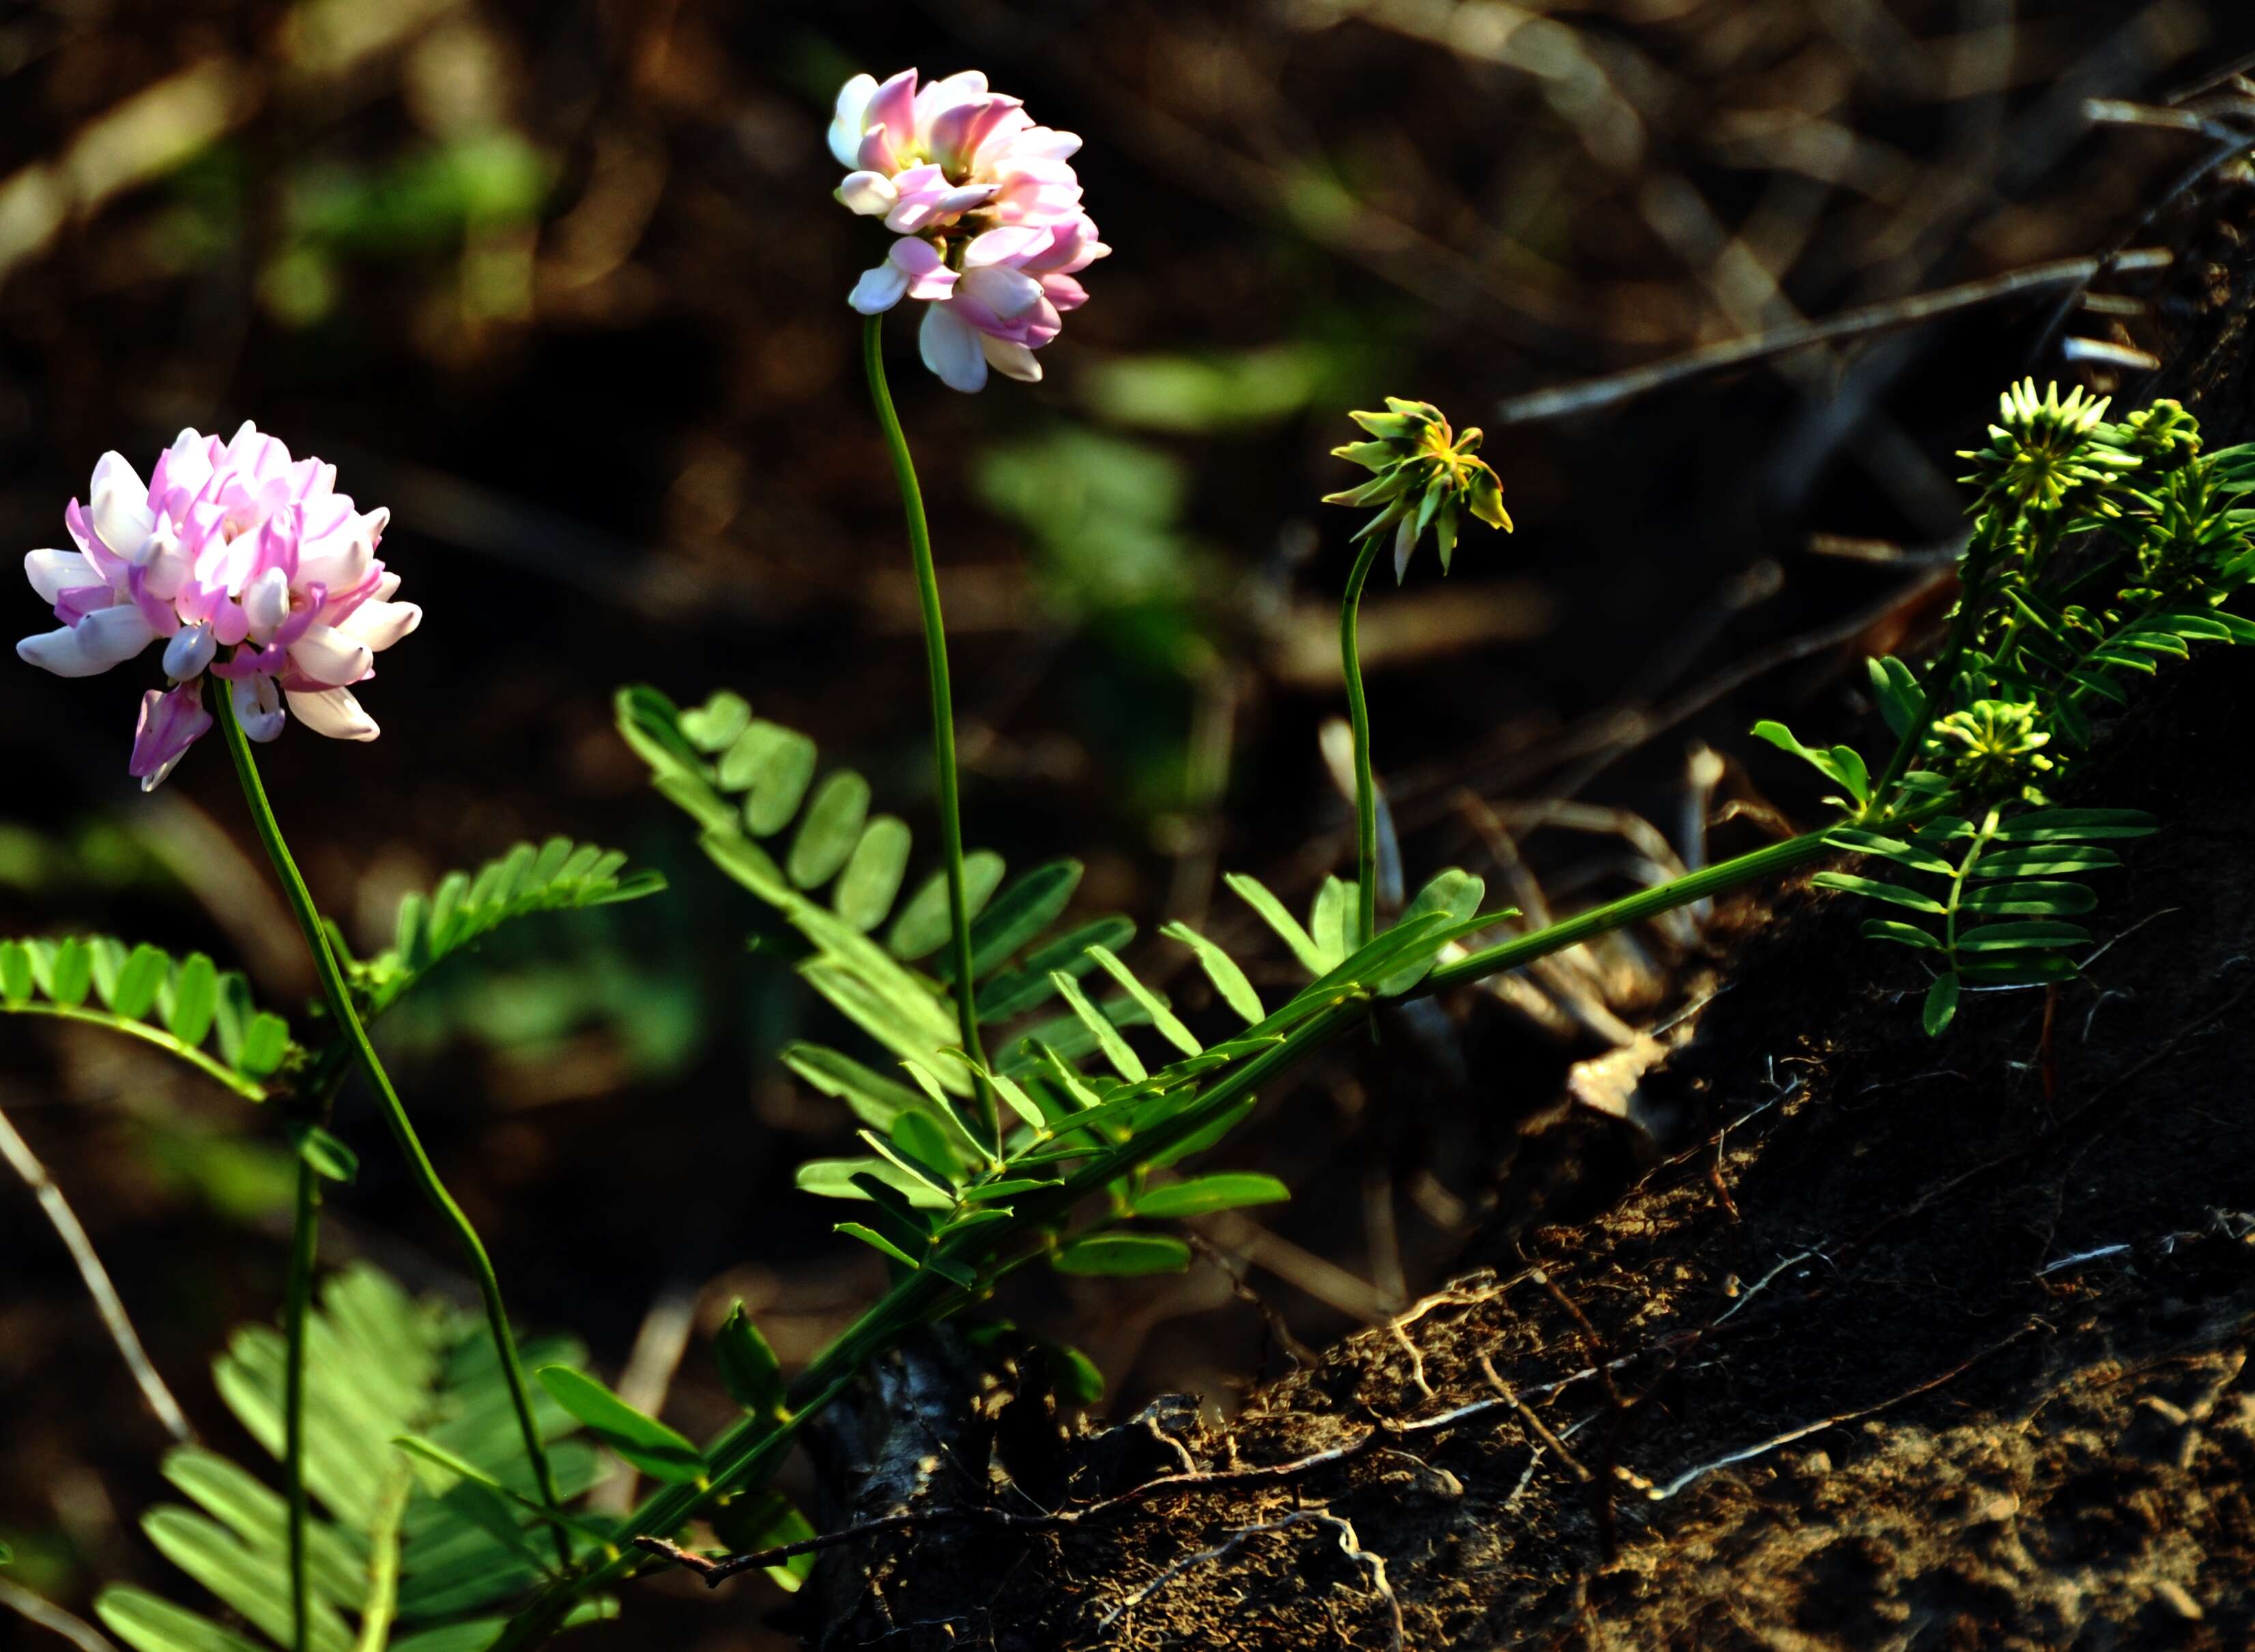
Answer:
(65, 1223)
(1616, 388)
(48, 1615)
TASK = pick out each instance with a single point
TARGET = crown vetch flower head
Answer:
(248, 565)
(987, 208)
(1424, 476)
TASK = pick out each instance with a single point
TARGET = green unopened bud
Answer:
(1995, 747)
(2046, 453)
(1424, 477)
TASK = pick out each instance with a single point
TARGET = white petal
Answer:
(59, 652)
(266, 604)
(333, 712)
(847, 125)
(189, 652)
(879, 290)
(951, 350)
(1013, 359)
(118, 501)
(53, 572)
(327, 654)
(115, 634)
(380, 624)
(258, 707)
(105, 637)
(871, 194)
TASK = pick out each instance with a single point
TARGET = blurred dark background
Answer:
(563, 285)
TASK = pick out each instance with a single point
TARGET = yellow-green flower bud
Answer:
(1423, 476)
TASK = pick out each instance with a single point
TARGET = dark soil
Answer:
(1915, 1344)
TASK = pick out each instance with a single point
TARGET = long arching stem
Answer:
(943, 706)
(394, 1114)
(1366, 787)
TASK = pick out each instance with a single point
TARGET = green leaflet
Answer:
(380, 1366)
(645, 1442)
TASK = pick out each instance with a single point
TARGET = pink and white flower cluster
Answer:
(248, 565)
(988, 210)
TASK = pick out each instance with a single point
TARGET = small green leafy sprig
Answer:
(1424, 476)
(2097, 551)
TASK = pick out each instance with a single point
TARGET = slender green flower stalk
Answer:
(303, 1243)
(339, 996)
(943, 711)
(1424, 477)
(1358, 706)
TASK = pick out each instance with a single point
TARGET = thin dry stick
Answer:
(48, 1615)
(25, 1164)
(1616, 388)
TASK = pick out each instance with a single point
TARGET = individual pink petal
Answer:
(1001, 246)
(893, 106)
(169, 724)
(1010, 294)
(332, 711)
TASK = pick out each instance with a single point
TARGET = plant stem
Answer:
(1647, 903)
(1366, 787)
(1972, 575)
(425, 1174)
(943, 711)
(297, 1306)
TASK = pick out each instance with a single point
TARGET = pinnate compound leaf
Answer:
(186, 1006)
(385, 1549)
(558, 875)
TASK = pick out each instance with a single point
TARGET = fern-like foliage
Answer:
(188, 1007)
(2097, 551)
(401, 1554)
(1075, 1089)
(557, 876)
